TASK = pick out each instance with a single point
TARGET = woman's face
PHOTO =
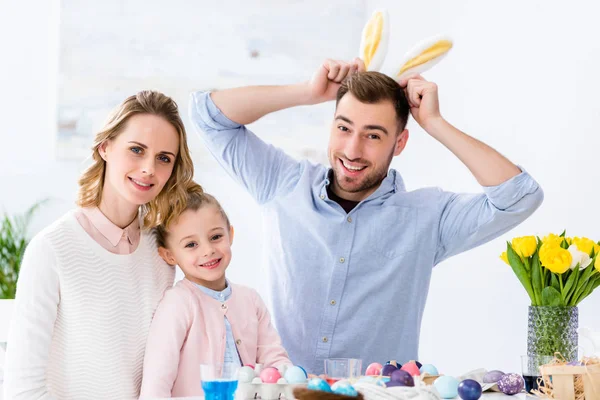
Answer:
(140, 160)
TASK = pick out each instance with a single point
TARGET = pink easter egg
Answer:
(411, 368)
(270, 375)
(374, 369)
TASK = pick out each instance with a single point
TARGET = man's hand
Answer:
(327, 79)
(423, 100)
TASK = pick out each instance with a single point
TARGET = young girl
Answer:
(90, 282)
(204, 318)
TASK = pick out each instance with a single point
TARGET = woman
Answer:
(90, 282)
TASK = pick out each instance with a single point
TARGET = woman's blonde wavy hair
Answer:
(173, 197)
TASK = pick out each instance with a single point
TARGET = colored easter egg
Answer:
(374, 369)
(402, 377)
(302, 368)
(411, 368)
(295, 375)
(270, 375)
(418, 364)
(447, 386)
(393, 384)
(511, 384)
(429, 369)
(246, 374)
(344, 388)
(388, 369)
(492, 376)
(469, 389)
(318, 384)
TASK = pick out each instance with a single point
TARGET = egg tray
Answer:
(267, 391)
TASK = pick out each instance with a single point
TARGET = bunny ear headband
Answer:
(374, 48)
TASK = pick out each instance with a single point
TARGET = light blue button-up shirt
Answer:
(353, 285)
(231, 352)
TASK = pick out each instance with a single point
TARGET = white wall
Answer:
(522, 77)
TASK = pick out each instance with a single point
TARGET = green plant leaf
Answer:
(13, 241)
(554, 282)
(519, 269)
(589, 287)
(551, 297)
(571, 284)
(536, 278)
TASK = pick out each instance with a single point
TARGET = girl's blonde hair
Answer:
(173, 195)
(196, 199)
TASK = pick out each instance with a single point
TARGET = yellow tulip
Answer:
(504, 257)
(552, 240)
(597, 264)
(586, 245)
(525, 246)
(556, 259)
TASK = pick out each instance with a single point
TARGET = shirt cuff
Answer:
(204, 111)
(507, 194)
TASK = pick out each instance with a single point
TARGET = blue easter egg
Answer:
(429, 369)
(302, 368)
(294, 375)
(345, 389)
(447, 386)
(469, 389)
(319, 384)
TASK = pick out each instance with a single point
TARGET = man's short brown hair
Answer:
(372, 87)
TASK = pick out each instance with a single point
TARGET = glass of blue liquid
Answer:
(219, 381)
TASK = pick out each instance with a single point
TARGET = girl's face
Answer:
(200, 243)
(139, 161)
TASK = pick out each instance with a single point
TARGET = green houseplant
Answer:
(13, 241)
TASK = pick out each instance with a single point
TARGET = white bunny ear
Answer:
(374, 40)
(424, 55)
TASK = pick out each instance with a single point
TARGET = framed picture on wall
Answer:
(115, 49)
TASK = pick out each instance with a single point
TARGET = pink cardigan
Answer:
(188, 330)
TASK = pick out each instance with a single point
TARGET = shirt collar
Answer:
(222, 295)
(109, 230)
(393, 182)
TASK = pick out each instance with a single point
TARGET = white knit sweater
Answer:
(82, 316)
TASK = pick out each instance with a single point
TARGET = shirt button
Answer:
(238, 342)
(325, 339)
(224, 307)
(322, 197)
(349, 219)
(332, 302)
(342, 259)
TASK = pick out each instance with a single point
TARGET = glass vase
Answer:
(553, 330)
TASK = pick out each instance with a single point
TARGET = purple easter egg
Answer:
(511, 384)
(402, 377)
(469, 389)
(388, 369)
(393, 383)
(493, 376)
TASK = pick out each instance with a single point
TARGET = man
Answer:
(350, 251)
